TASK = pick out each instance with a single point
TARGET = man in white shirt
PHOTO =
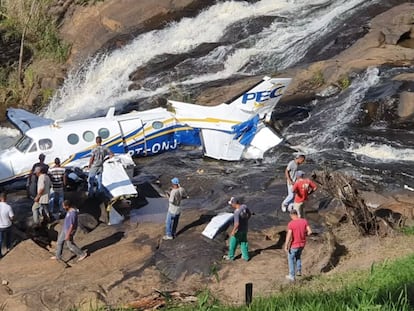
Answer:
(6, 218)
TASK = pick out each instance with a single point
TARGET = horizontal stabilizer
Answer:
(25, 120)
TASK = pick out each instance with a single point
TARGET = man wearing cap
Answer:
(302, 188)
(298, 229)
(31, 184)
(290, 174)
(177, 193)
(238, 234)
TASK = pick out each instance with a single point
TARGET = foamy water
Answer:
(8, 136)
(327, 123)
(383, 152)
(104, 81)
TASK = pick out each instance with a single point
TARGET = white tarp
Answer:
(115, 178)
(216, 223)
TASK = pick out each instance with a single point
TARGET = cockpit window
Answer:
(33, 148)
(45, 144)
(23, 144)
(73, 139)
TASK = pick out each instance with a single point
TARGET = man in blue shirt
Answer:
(70, 225)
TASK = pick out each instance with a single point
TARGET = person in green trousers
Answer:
(238, 234)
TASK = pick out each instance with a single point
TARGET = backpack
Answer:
(245, 212)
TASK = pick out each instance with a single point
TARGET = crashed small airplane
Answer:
(229, 131)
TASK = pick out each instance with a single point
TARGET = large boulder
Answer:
(90, 28)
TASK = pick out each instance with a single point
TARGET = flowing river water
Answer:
(234, 38)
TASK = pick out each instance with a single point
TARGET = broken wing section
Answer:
(25, 120)
(248, 140)
(221, 145)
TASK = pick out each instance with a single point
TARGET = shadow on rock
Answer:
(201, 221)
(277, 245)
(112, 239)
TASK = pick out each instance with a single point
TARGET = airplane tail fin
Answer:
(235, 130)
(262, 98)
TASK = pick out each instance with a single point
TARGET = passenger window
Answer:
(73, 139)
(157, 125)
(45, 144)
(104, 133)
(33, 148)
(88, 136)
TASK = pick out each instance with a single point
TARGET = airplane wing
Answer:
(25, 120)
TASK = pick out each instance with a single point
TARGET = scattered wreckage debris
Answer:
(365, 219)
(159, 299)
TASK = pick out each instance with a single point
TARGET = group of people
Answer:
(299, 188)
(46, 187)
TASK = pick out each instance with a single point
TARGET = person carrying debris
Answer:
(298, 229)
(69, 228)
(96, 162)
(238, 235)
(290, 174)
(176, 194)
(6, 218)
(302, 188)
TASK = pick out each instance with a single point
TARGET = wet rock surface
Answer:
(128, 261)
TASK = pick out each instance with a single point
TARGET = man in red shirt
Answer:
(298, 229)
(302, 188)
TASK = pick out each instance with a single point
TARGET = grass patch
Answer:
(408, 230)
(344, 82)
(318, 79)
(387, 287)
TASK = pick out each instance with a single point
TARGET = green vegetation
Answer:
(388, 286)
(30, 23)
(179, 94)
(408, 230)
(318, 79)
(344, 82)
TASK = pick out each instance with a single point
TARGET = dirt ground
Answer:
(123, 265)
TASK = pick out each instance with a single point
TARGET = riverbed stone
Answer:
(406, 104)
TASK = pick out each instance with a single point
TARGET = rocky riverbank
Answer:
(129, 261)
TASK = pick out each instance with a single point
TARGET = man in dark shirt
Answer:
(238, 234)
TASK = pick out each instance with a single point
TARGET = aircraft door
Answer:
(133, 136)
